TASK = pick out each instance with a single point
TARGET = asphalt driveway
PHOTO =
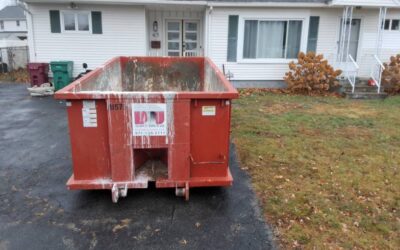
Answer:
(38, 212)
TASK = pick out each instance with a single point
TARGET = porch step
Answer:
(362, 88)
(363, 91)
(366, 95)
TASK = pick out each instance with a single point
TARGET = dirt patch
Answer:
(309, 132)
(280, 108)
(353, 131)
(263, 91)
(350, 111)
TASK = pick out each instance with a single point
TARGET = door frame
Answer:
(359, 45)
(181, 20)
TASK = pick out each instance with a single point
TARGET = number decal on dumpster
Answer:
(149, 119)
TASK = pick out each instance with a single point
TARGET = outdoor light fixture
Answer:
(155, 26)
(73, 6)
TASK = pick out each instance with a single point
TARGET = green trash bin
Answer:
(62, 73)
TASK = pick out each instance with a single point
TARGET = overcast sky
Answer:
(4, 3)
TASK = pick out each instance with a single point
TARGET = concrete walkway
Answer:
(38, 212)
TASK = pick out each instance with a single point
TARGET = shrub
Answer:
(311, 74)
(391, 75)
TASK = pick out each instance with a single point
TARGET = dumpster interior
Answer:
(149, 74)
(151, 164)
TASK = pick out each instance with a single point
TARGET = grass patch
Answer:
(325, 169)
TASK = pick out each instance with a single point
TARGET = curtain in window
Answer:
(250, 39)
(294, 38)
(271, 39)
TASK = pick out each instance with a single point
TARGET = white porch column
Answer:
(381, 25)
(345, 33)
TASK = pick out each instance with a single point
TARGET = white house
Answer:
(13, 37)
(13, 23)
(253, 39)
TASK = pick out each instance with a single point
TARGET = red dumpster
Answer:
(38, 73)
(141, 119)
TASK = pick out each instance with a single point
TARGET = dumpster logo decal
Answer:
(148, 119)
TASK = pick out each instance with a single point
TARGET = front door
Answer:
(182, 37)
(354, 37)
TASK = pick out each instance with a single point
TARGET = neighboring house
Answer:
(13, 24)
(13, 37)
(254, 40)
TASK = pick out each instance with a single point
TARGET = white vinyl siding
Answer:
(250, 69)
(124, 34)
(11, 25)
(327, 43)
(162, 17)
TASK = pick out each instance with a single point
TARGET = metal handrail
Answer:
(352, 74)
(354, 62)
(377, 71)
(379, 61)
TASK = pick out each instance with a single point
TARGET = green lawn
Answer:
(325, 169)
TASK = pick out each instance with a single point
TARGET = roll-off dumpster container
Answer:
(141, 119)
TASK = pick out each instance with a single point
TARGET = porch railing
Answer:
(351, 72)
(377, 71)
(190, 53)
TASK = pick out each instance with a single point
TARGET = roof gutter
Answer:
(327, 3)
(266, 4)
(121, 2)
(195, 3)
(31, 29)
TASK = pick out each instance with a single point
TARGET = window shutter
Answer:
(313, 34)
(97, 27)
(232, 38)
(55, 25)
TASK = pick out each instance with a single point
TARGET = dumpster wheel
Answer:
(117, 192)
(183, 191)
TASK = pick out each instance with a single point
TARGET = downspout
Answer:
(209, 30)
(31, 35)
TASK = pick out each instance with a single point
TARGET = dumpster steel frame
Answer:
(108, 155)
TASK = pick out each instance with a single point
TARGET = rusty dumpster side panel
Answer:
(141, 119)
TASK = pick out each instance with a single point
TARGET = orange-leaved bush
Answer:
(311, 74)
(391, 75)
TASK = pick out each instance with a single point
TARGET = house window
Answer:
(313, 34)
(76, 21)
(232, 38)
(2, 25)
(391, 24)
(271, 39)
(395, 24)
(386, 26)
(18, 23)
